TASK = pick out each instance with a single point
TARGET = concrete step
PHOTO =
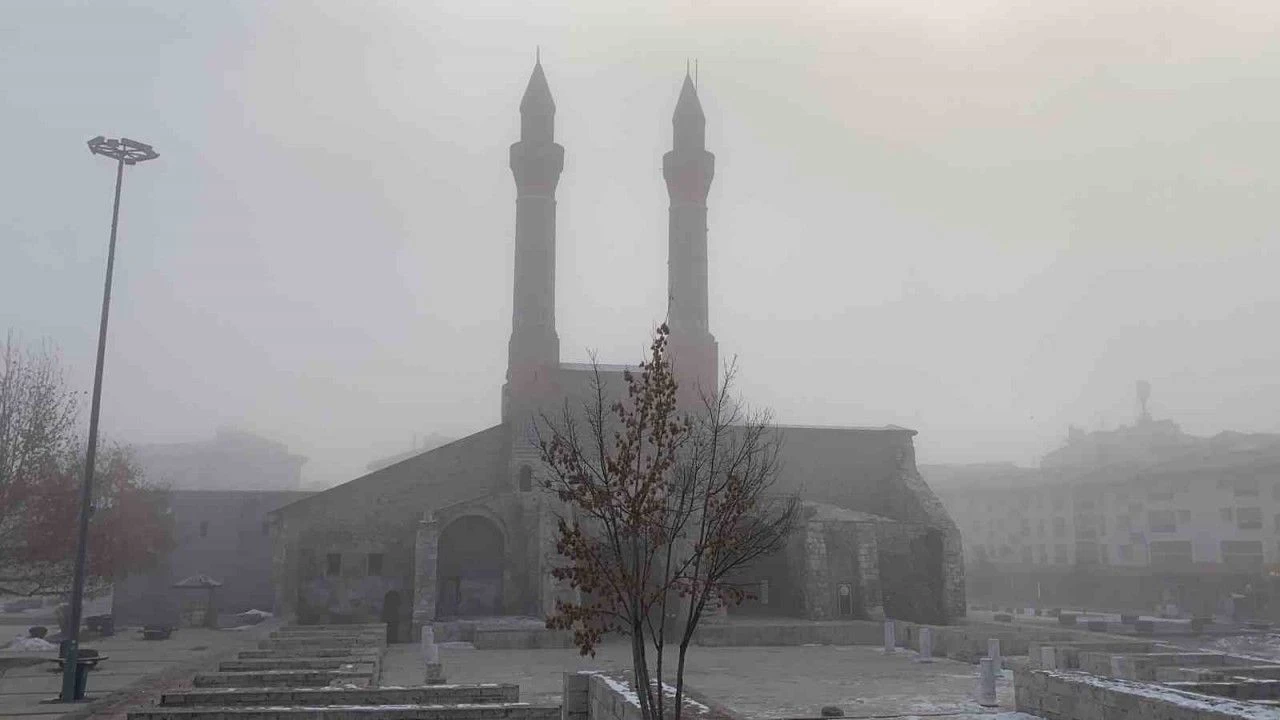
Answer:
(281, 678)
(298, 663)
(311, 652)
(381, 627)
(371, 634)
(503, 711)
(485, 694)
(294, 644)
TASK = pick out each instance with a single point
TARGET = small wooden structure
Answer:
(199, 610)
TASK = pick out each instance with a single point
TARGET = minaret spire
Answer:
(688, 170)
(536, 163)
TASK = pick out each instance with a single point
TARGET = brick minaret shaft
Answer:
(688, 170)
(536, 162)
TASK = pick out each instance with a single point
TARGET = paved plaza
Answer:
(132, 664)
(757, 682)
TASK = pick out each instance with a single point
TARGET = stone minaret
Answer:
(688, 170)
(536, 162)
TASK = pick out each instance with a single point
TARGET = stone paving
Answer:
(132, 662)
(757, 682)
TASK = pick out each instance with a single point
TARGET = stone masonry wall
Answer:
(1059, 695)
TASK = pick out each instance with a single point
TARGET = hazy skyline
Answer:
(977, 219)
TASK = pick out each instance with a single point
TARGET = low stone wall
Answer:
(1244, 689)
(968, 642)
(1143, 667)
(317, 697)
(796, 632)
(1229, 672)
(281, 678)
(298, 663)
(1072, 695)
(599, 696)
(515, 711)
(965, 642)
(1066, 655)
(520, 639)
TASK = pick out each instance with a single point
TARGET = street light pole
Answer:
(125, 152)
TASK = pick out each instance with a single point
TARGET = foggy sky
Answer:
(983, 220)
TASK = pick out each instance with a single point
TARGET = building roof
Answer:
(687, 105)
(537, 94)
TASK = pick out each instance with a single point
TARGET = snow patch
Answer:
(31, 644)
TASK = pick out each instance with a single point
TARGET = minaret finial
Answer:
(537, 54)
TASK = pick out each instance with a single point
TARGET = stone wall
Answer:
(1064, 695)
(377, 514)
(599, 696)
(873, 470)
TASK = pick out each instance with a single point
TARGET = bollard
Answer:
(431, 656)
(890, 637)
(1117, 667)
(1048, 658)
(987, 683)
(926, 645)
(993, 652)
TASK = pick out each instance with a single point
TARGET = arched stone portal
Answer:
(469, 568)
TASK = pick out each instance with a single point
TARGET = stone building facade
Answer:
(463, 531)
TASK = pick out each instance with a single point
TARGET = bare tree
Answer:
(664, 509)
(41, 475)
(37, 433)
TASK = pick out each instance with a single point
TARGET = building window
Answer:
(1059, 502)
(204, 528)
(1278, 524)
(1061, 554)
(1242, 555)
(1042, 554)
(1170, 553)
(526, 478)
(1249, 518)
(1126, 552)
(1184, 516)
(1227, 515)
(1162, 521)
(1124, 522)
(1026, 527)
(375, 563)
(1059, 527)
(1040, 527)
(333, 564)
(1026, 554)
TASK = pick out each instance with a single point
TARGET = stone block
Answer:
(434, 674)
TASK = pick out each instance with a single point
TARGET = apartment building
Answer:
(1145, 495)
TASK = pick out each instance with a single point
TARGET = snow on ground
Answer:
(1261, 645)
(30, 644)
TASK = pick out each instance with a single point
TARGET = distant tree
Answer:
(663, 510)
(41, 475)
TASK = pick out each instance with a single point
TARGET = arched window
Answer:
(526, 478)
